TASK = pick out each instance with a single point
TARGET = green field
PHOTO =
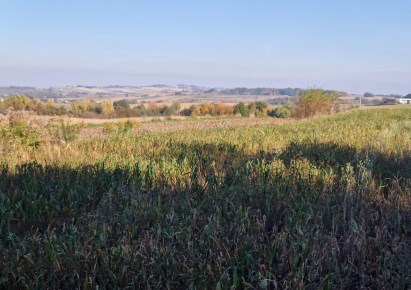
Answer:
(315, 204)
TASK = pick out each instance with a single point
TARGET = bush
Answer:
(281, 112)
(242, 109)
(19, 131)
(223, 109)
(20, 103)
(63, 131)
(105, 108)
(122, 104)
(259, 109)
(314, 101)
(80, 107)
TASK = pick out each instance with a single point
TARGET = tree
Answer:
(76, 109)
(206, 109)
(222, 109)
(314, 101)
(242, 109)
(106, 107)
(368, 95)
(80, 107)
(122, 105)
(49, 103)
(195, 110)
(261, 109)
(175, 108)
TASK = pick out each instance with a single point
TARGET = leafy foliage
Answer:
(281, 112)
(63, 131)
(313, 102)
(242, 109)
(122, 104)
(19, 103)
(19, 131)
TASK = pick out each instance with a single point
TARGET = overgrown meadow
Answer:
(315, 204)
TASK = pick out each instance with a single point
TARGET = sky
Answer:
(353, 46)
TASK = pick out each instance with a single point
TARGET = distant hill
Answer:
(257, 91)
(371, 95)
(291, 92)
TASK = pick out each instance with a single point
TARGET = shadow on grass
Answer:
(383, 166)
(204, 215)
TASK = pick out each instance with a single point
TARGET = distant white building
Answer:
(404, 101)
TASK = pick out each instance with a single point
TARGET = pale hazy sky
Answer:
(355, 46)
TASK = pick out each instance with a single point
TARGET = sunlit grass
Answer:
(317, 204)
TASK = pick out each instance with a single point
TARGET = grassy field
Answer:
(314, 204)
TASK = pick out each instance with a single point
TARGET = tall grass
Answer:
(319, 204)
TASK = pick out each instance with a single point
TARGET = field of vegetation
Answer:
(322, 203)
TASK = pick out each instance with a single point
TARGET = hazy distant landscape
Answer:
(185, 94)
(205, 145)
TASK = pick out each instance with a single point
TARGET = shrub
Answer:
(106, 108)
(258, 108)
(127, 126)
(122, 104)
(222, 109)
(80, 107)
(175, 108)
(20, 103)
(314, 101)
(281, 112)
(63, 131)
(20, 131)
(242, 109)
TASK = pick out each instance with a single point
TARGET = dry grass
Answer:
(315, 204)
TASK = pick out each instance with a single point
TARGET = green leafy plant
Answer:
(21, 132)
(64, 131)
(281, 112)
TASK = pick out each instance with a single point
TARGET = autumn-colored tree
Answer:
(80, 107)
(206, 109)
(313, 102)
(49, 103)
(107, 107)
(223, 110)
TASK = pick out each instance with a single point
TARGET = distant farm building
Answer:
(397, 101)
(404, 100)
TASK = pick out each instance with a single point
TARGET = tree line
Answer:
(309, 103)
